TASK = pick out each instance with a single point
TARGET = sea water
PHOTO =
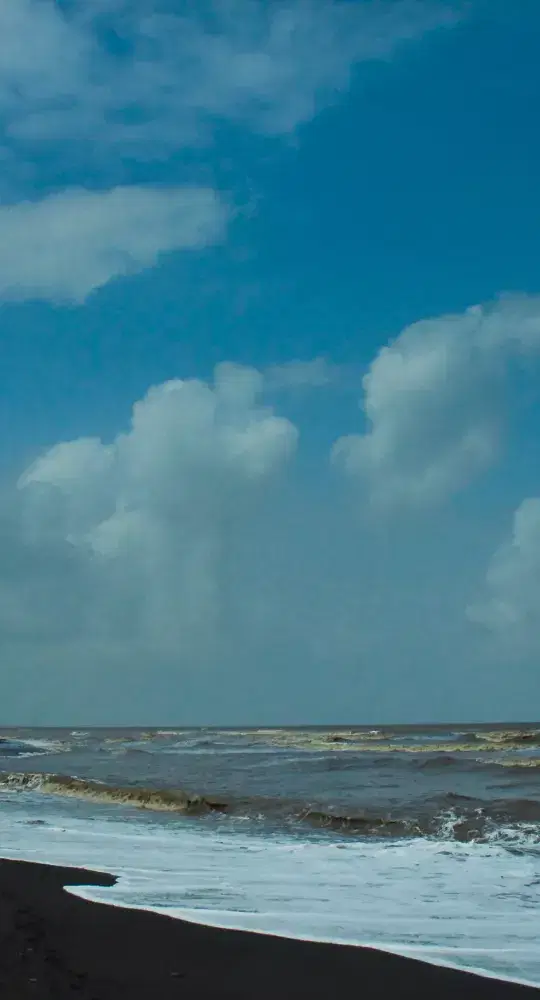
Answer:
(422, 842)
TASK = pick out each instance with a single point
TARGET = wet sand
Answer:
(54, 945)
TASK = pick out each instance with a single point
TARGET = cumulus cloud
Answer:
(511, 602)
(68, 244)
(140, 528)
(187, 570)
(432, 401)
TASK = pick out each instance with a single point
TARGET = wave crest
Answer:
(448, 817)
(162, 800)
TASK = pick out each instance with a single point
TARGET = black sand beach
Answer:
(54, 945)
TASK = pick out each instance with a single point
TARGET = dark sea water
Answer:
(423, 840)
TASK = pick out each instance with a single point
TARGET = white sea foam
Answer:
(472, 906)
(30, 747)
(45, 746)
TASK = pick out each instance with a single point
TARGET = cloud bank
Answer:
(184, 571)
(191, 551)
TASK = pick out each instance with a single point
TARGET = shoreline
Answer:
(55, 945)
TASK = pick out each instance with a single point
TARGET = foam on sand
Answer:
(470, 906)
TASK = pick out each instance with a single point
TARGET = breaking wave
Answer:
(10, 747)
(519, 762)
(451, 816)
(512, 737)
(160, 800)
(378, 741)
(466, 823)
(397, 743)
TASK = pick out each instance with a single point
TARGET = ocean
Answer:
(421, 840)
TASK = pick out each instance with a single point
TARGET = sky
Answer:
(270, 340)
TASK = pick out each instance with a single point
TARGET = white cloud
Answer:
(66, 245)
(186, 570)
(298, 374)
(148, 75)
(93, 87)
(140, 528)
(511, 603)
(432, 401)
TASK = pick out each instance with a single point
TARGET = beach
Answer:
(418, 842)
(54, 945)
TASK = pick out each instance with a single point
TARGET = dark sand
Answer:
(54, 946)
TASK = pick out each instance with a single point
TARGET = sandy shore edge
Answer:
(55, 945)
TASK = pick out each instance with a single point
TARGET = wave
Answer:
(518, 762)
(43, 745)
(441, 760)
(385, 742)
(431, 748)
(161, 800)
(459, 819)
(337, 742)
(28, 748)
(512, 737)
(451, 816)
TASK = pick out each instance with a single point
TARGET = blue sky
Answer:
(350, 533)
